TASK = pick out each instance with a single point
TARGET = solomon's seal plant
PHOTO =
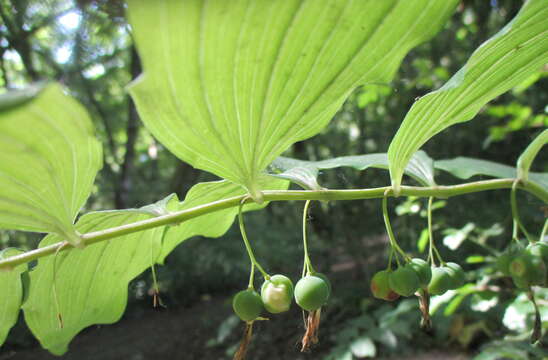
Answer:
(228, 87)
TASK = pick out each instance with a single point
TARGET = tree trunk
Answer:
(132, 130)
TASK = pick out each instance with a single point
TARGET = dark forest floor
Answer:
(193, 333)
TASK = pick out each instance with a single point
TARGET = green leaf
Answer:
(19, 97)
(423, 241)
(475, 259)
(238, 82)
(454, 304)
(12, 294)
(499, 351)
(214, 224)
(504, 61)
(163, 207)
(48, 163)
(527, 157)
(385, 336)
(453, 238)
(91, 283)
(301, 172)
(519, 314)
(465, 167)
(363, 347)
(305, 173)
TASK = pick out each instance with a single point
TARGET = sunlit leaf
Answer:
(163, 207)
(214, 224)
(300, 172)
(518, 316)
(475, 259)
(48, 161)
(453, 238)
(12, 294)
(436, 302)
(423, 240)
(363, 347)
(508, 58)
(229, 85)
(91, 283)
(385, 336)
(305, 173)
(454, 304)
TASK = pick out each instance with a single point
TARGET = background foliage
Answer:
(87, 46)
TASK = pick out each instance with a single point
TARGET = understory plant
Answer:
(228, 87)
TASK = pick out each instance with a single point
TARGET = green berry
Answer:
(380, 286)
(324, 278)
(423, 271)
(441, 281)
(520, 283)
(277, 294)
(247, 304)
(404, 281)
(311, 292)
(503, 263)
(539, 249)
(529, 268)
(456, 274)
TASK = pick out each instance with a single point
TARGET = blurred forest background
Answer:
(87, 46)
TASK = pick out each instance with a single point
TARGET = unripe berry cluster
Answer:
(417, 274)
(311, 292)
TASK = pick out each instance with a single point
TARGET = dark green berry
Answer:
(311, 292)
(503, 263)
(539, 249)
(529, 268)
(326, 279)
(404, 281)
(380, 286)
(423, 271)
(456, 274)
(247, 304)
(441, 281)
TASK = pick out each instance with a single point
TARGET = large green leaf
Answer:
(48, 162)
(229, 85)
(12, 294)
(214, 224)
(508, 58)
(91, 283)
(305, 173)
(464, 168)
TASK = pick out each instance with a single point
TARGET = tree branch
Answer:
(18, 40)
(132, 131)
(47, 20)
